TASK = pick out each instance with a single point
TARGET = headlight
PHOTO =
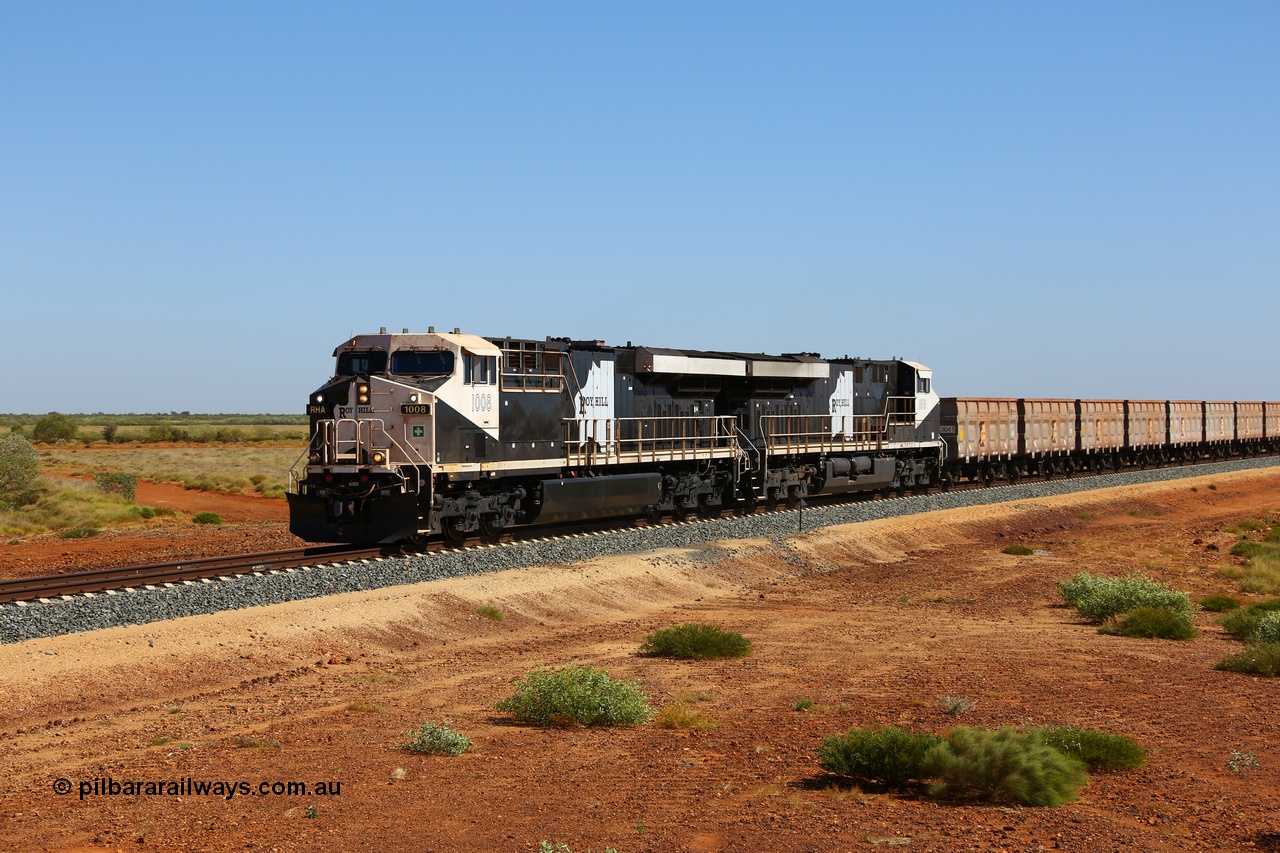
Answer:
(363, 389)
(413, 398)
(379, 458)
(363, 398)
(319, 398)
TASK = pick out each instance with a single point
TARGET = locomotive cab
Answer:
(374, 428)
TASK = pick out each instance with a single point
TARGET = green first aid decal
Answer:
(419, 431)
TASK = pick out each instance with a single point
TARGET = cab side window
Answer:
(479, 370)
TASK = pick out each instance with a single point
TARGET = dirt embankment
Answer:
(873, 622)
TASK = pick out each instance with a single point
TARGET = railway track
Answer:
(102, 580)
(110, 579)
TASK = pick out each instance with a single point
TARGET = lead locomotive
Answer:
(427, 434)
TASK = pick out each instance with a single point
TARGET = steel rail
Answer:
(100, 580)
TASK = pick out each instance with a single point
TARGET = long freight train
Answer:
(430, 434)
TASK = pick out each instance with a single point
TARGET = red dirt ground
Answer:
(873, 622)
(250, 524)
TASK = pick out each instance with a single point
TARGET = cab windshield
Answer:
(356, 363)
(422, 362)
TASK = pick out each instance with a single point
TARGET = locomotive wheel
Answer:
(452, 529)
(679, 511)
(490, 527)
(704, 507)
(1013, 475)
(793, 497)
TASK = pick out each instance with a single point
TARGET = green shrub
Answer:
(1018, 550)
(1097, 598)
(1243, 764)
(1269, 628)
(80, 533)
(1004, 766)
(19, 468)
(694, 640)
(1218, 603)
(490, 612)
(803, 705)
(54, 427)
(117, 482)
(1098, 750)
(890, 755)
(576, 695)
(1151, 623)
(1245, 548)
(207, 518)
(1243, 624)
(165, 433)
(1262, 659)
(436, 740)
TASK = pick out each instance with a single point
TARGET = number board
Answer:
(415, 409)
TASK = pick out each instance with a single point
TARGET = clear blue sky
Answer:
(199, 201)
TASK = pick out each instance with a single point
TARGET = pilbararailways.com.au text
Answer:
(188, 787)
